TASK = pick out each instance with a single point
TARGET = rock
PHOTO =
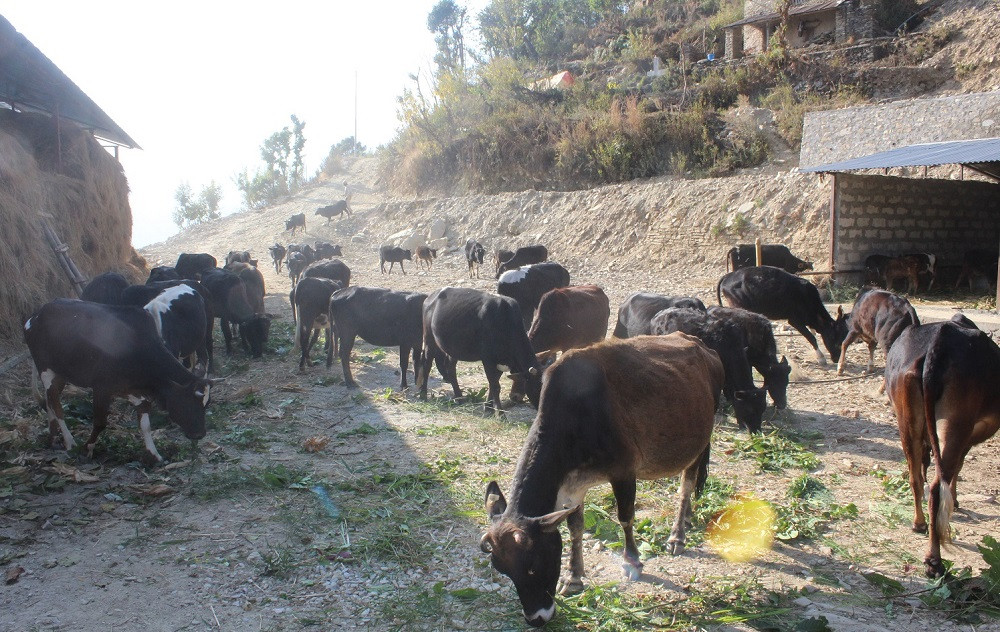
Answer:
(359, 238)
(438, 244)
(438, 228)
(412, 241)
(803, 602)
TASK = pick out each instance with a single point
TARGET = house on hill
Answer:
(809, 22)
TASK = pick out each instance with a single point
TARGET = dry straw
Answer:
(84, 197)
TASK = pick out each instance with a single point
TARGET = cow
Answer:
(182, 316)
(636, 312)
(240, 256)
(425, 256)
(878, 318)
(304, 249)
(296, 221)
(277, 256)
(500, 256)
(978, 263)
(926, 263)
(780, 295)
(192, 265)
(474, 253)
(762, 350)
(527, 284)
(381, 317)
(883, 270)
(617, 411)
(339, 207)
(255, 331)
(569, 318)
(115, 351)
(745, 256)
(728, 340)
(296, 263)
(471, 325)
(326, 250)
(942, 381)
(310, 298)
(333, 269)
(105, 288)
(526, 255)
(394, 255)
(163, 273)
(230, 303)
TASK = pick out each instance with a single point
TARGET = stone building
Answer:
(809, 22)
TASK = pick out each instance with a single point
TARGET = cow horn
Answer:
(486, 543)
(533, 371)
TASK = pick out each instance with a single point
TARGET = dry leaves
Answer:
(155, 490)
(12, 574)
(73, 473)
(315, 443)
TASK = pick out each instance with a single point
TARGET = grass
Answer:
(809, 509)
(229, 480)
(774, 453)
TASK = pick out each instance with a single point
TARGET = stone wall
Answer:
(893, 215)
(837, 135)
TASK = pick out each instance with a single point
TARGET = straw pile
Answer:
(85, 199)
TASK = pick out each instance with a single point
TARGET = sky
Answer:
(200, 85)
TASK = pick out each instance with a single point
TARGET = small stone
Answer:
(803, 602)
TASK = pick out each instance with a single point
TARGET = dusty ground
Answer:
(237, 538)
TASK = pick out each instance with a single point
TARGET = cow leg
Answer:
(54, 385)
(688, 483)
(428, 354)
(347, 340)
(449, 371)
(851, 337)
(871, 356)
(102, 404)
(417, 360)
(625, 499)
(810, 338)
(401, 269)
(910, 419)
(575, 583)
(404, 364)
(493, 375)
(940, 503)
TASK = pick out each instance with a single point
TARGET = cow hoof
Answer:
(571, 586)
(351, 384)
(920, 528)
(675, 547)
(630, 572)
(934, 567)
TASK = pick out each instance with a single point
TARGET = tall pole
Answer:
(355, 109)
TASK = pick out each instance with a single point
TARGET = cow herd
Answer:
(639, 406)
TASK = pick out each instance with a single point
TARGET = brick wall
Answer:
(893, 215)
(837, 135)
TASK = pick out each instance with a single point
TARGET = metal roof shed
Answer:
(982, 155)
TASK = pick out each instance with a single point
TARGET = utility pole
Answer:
(356, 144)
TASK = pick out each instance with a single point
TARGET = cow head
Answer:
(185, 405)
(408, 255)
(255, 333)
(528, 550)
(805, 265)
(776, 382)
(834, 334)
(749, 407)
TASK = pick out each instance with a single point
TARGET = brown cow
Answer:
(942, 381)
(617, 411)
(878, 317)
(425, 256)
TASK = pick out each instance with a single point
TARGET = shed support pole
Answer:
(998, 286)
(757, 251)
(833, 223)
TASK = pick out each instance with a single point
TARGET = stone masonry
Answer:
(837, 135)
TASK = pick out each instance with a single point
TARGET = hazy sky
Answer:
(199, 85)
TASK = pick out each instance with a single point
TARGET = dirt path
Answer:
(241, 536)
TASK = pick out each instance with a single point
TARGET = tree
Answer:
(446, 20)
(298, 144)
(190, 210)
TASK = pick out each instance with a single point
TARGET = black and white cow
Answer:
(474, 253)
(527, 284)
(182, 317)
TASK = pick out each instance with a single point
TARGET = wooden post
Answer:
(76, 278)
(757, 251)
(833, 223)
(998, 287)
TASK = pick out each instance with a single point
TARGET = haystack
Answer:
(80, 189)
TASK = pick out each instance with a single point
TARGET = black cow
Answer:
(296, 221)
(105, 288)
(230, 303)
(334, 269)
(526, 255)
(878, 318)
(310, 298)
(782, 296)
(277, 256)
(326, 250)
(163, 273)
(617, 411)
(254, 332)
(745, 256)
(394, 255)
(240, 256)
(333, 210)
(472, 325)
(727, 339)
(116, 351)
(474, 253)
(762, 350)
(182, 316)
(192, 266)
(305, 250)
(381, 317)
(527, 284)
(978, 263)
(636, 312)
(500, 256)
(296, 263)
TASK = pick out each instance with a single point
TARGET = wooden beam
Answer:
(833, 223)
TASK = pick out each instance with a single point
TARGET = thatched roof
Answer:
(31, 82)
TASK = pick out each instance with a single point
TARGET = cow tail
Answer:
(718, 292)
(931, 387)
(699, 485)
(729, 260)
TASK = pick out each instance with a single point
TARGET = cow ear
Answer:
(550, 522)
(496, 504)
(840, 312)
(784, 361)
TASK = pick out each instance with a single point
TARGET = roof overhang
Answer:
(982, 155)
(819, 6)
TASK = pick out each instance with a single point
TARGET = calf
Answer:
(334, 269)
(527, 284)
(878, 317)
(394, 255)
(230, 303)
(326, 250)
(304, 249)
(333, 210)
(311, 299)
(942, 382)
(569, 318)
(523, 256)
(762, 351)
(500, 256)
(926, 263)
(277, 256)
(727, 339)
(182, 318)
(884, 270)
(636, 312)
(977, 263)
(191, 266)
(474, 253)
(425, 256)
(255, 331)
(780, 295)
(745, 256)
(381, 317)
(115, 351)
(296, 263)
(472, 325)
(296, 221)
(105, 288)
(617, 411)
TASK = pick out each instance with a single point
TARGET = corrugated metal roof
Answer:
(975, 153)
(32, 82)
(817, 6)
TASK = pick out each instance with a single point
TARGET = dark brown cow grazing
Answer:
(762, 351)
(942, 381)
(526, 255)
(229, 301)
(425, 256)
(116, 352)
(617, 411)
(777, 255)
(878, 318)
(326, 250)
(296, 221)
(254, 332)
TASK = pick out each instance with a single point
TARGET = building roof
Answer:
(981, 154)
(806, 8)
(31, 82)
